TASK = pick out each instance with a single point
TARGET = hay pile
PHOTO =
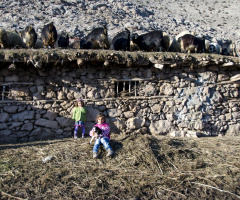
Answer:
(144, 167)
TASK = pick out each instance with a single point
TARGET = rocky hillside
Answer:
(213, 19)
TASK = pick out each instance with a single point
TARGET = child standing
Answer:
(104, 139)
(79, 115)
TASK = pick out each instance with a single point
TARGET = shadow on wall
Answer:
(50, 118)
(26, 123)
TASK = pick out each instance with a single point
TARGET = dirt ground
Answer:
(143, 167)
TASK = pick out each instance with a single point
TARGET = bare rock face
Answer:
(78, 17)
(234, 130)
(135, 123)
(166, 89)
(161, 127)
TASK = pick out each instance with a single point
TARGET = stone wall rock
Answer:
(65, 122)
(135, 123)
(3, 126)
(114, 112)
(27, 127)
(166, 89)
(161, 127)
(91, 113)
(233, 130)
(4, 117)
(23, 116)
(46, 123)
(10, 109)
(178, 102)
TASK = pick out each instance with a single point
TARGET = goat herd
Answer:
(98, 38)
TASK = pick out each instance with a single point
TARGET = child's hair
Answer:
(82, 103)
(102, 116)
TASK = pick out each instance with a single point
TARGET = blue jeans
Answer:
(104, 142)
(77, 125)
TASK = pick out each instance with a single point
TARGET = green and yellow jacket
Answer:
(79, 113)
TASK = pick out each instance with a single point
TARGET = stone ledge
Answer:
(108, 57)
(88, 100)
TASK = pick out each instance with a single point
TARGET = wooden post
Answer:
(135, 88)
(129, 88)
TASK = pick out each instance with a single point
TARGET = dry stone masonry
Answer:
(141, 93)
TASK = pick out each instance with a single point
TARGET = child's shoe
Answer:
(95, 155)
(83, 136)
(110, 153)
(75, 137)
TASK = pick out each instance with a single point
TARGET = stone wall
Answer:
(38, 102)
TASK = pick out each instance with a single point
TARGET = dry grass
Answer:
(144, 167)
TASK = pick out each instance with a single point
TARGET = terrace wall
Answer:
(36, 103)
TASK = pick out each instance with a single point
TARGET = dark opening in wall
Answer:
(16, 91)
(126, 88)
(5, 92)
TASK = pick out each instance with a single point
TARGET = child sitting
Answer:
(104, 138)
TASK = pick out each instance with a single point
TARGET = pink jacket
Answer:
(105, 130)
